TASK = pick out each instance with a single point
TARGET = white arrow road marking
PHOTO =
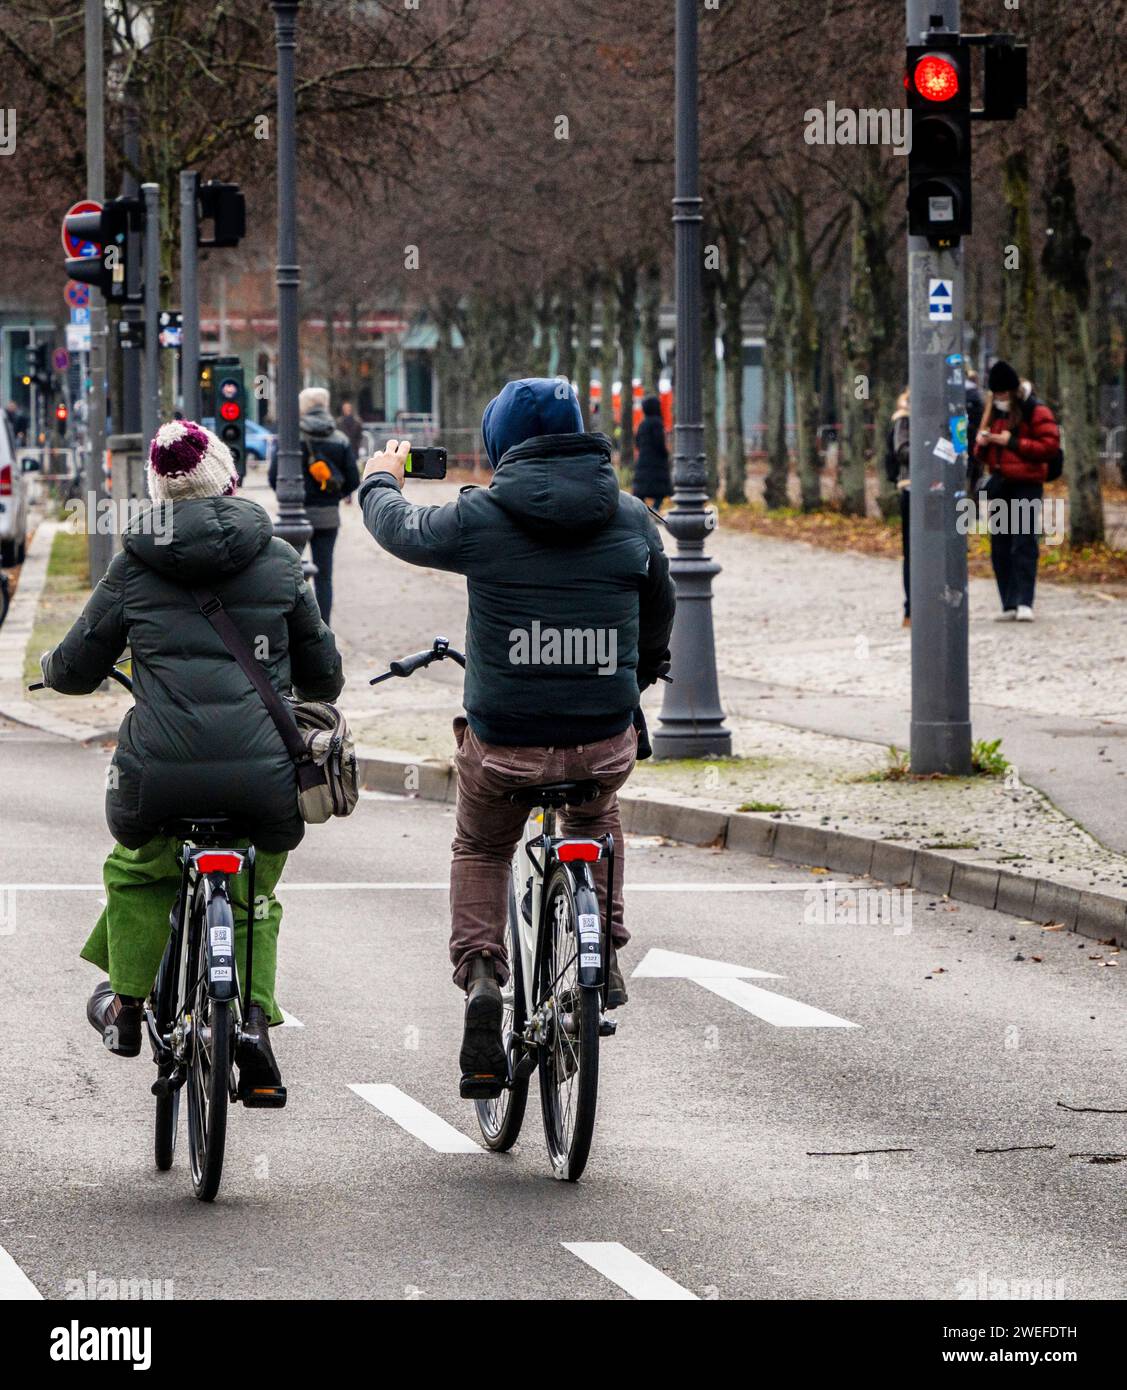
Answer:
(14, 1283)
(730, 982)
(416, 1119)
(288, 1021)
(629, 1271)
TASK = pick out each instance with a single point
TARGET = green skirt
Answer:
(141, 889)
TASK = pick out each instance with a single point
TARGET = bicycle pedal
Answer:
(607, 1027)
(480, 1086)
(263, 1097)
(165, 1086)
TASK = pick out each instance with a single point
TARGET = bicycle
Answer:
(195, 1011)
(555, 998)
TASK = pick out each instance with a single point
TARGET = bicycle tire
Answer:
(500, 1119)
(572, 1051)
(207, 1083)
(168, 1107)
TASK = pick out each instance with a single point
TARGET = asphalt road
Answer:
(703, 1168)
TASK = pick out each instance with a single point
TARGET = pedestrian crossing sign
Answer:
(941, 301)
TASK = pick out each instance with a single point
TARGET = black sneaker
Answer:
(485, 1068)
(117, 1018)
(616, 985)
(260, 1081)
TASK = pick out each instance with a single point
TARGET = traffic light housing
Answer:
(229, 386)
(117, 233)
(224, 205)
(939, 162)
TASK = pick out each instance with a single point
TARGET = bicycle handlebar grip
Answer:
(409, 664)
(38, 685)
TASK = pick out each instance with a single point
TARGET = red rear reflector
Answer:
(6, 480)
(587, 850)
(219, 863)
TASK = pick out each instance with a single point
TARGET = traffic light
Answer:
(116, 232)
(38, 372)
(939, 162)
(230, 403)
(224, 205)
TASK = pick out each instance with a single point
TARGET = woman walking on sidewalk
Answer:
(897, 460)
(1020, 440)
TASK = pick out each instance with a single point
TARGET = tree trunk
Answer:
(608, 358)
(651, 328)
(1021, 338)
(565, 336)
(735, 458)
(584, 327)
(627, 336)
(1065, 263)
(804, 361)
(354, 353)
(775, 487)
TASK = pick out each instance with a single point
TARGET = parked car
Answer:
(13, 496)
(259, 441)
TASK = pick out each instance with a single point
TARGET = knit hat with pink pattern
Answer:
(187, 461)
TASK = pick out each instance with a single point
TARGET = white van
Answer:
(13, 496)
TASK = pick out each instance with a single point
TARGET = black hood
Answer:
(318, 421)
(558, 482)
(193, 540)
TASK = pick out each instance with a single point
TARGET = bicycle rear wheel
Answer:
(569, 1062)
(209, 1061)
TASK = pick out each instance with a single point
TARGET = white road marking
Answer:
(288, 1021)
(629, 1271)
(416, 1119)
(730, 982)
(14, 1283)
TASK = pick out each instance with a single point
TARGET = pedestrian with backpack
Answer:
(329, 467)
(1019, 446)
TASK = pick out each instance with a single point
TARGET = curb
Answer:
(1100, 916)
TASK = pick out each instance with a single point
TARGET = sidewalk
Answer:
(815, 681)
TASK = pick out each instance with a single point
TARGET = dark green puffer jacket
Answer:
(199, 740)
(570, 600)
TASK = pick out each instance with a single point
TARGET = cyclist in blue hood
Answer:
(570, 612)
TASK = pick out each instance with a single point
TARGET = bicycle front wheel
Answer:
(500, 1119)
(209, 1065)
(569, 1060)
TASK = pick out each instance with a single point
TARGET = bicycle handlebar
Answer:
(408, 665)
(116, 673)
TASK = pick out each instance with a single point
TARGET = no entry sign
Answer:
(71, 245)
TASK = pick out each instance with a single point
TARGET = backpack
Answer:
(1056, 467)
(323, 471)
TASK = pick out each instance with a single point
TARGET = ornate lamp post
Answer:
(291, 524)
(691, 721)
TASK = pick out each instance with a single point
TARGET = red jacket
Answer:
(1034, 440)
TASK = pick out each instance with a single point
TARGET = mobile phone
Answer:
(427, 462)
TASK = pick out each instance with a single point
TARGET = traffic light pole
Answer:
(940, 729)
(291, 524)
(150, 376)
(131, 314)
(99, 547)
(189, 294)
(691, 721)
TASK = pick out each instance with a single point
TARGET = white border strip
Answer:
(629, 1271)
(416, 1119)
(14, 1283)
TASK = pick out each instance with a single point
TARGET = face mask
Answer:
(1002, 407)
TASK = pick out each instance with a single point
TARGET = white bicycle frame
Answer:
(526, 932)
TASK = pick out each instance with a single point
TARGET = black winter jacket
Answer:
(651, 463)
(570, 600)
(319, 430)
(199, 740)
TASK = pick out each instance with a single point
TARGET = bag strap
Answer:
(210, 605)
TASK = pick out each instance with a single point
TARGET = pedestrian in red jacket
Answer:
(1018, 441)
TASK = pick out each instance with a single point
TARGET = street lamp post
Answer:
(291, 524)
(691, 720)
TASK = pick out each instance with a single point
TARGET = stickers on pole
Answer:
(941, 301)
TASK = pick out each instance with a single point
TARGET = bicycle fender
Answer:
(588, 928)
(222, 977)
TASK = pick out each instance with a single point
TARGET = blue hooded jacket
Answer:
(524, 409)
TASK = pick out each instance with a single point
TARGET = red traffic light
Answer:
(229, 410)
(936, 78)
(61, 413)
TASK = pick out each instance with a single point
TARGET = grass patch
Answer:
(986, 760)
(760, 806)
(65, 591)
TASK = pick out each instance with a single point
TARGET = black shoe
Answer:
(260, 1081)
(616, 985)
(526, 903)
(485, 1068)
(118, 1018)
